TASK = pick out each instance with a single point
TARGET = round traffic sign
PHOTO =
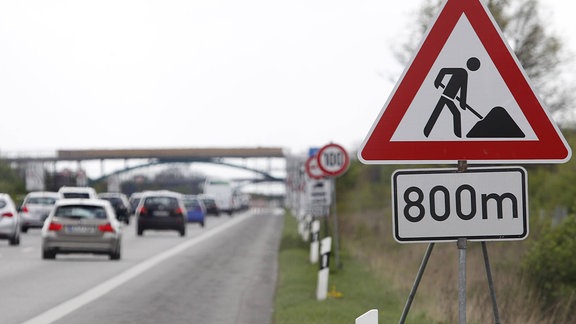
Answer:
(333, 159)
(312, 168)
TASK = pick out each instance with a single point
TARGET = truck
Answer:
(224, 192)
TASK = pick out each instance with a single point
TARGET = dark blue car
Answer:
(196, 212)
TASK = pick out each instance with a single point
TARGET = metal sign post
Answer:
(462, 244)
(335, 220)
(333, 161)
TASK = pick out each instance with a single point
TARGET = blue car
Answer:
(196, 212)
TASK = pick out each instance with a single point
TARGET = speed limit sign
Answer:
(313, 169)
(333, 159)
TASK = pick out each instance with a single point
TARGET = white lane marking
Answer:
(96, 292)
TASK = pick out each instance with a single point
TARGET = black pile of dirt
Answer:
(497, 124)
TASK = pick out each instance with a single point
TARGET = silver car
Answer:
(82, 226)
(35, 209)
(9, 220)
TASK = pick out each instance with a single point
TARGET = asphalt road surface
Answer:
(223, 273)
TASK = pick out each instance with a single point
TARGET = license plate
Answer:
(38, 216)
(161, 213)
(80, 229)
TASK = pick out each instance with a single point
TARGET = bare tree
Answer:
(539, 51)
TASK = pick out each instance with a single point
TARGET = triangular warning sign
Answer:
(464, 96)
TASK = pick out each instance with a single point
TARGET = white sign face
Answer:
(34, 176)
(484, 204)
(319, 197)
(485, 90)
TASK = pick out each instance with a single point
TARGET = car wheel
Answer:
(139, 231)
(48, 255)
(15, 240)
(115, 255)
(202, 224)
(183, 231)
(24, 229)
(127, 221)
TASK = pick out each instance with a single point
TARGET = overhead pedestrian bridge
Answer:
(222, 156)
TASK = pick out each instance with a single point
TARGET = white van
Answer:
(66, 192)
(223, 191)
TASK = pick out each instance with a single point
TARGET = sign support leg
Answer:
(462, 243)
(336, 235)
(490, 283)
(416, 283)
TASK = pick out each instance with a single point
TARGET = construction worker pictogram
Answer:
(499, 123)
(457, 84)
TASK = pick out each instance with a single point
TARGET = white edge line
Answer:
(96, 292)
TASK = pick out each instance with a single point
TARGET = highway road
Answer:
(222, 273)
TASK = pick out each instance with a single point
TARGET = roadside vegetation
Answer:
(11, 182)
(535, 279)
(353, 290)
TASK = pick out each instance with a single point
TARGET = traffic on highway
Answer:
(70, 259)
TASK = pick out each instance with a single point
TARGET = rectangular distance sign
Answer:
(480, 204)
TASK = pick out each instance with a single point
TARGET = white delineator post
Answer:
(370, 317)
(322, 287)
(304, 227)
(314, 245)
(301, 226)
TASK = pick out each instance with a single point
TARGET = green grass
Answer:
(296, 301)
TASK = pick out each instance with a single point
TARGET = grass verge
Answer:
(296, 302)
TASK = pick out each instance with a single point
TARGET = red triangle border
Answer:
(550, 146)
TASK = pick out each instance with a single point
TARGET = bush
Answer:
(10, 181)
(551, 263)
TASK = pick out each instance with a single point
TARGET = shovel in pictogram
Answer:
(497, 124)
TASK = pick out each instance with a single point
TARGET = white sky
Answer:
(203, 73)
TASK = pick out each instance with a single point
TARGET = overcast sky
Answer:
(204, 73)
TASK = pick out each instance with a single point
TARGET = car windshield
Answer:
(191, 203)
(42, 200)
(155, 202)
(2, 204)
(81, 212)
(76, 195)
(114, 201)
(134, 202)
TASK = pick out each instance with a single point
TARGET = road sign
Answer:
(319, 197)
(312, 168)
(333, 159)
(34, 176)
(464, 96)
(444, 205)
